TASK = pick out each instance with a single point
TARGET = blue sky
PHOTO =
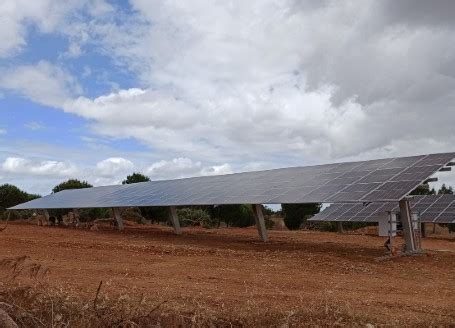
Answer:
(97, 89)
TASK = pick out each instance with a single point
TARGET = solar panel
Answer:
(432, 209)
(375, 180)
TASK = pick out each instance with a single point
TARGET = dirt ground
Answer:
(229, 272)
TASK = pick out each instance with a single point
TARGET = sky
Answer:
(98, 89)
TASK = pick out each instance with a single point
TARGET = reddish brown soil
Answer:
(230, 271)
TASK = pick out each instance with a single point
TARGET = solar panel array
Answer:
(432, 208)
(376, 180)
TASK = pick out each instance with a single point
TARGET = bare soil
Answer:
(229, 273)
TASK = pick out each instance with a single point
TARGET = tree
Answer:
(11, 196)
(234, 215)
(296, 214)
(155, 213)
(84, 214)
(71, 184)
(445, 190)
(424, 189)
(135, 178)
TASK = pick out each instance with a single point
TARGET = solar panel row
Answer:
(432, 209)
(376, 180)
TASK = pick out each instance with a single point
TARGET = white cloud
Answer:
(183, 168)
(47, 16)
(217, 169)
(274, 80)
(16, 14)
(34, 126)
(254, 84)
(2, 131)
(44, 83)
(19, 165)
(113, 166)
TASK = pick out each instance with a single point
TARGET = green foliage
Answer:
(11, 195)
(423, 189)
(234, 215)
(296, 214)
(156, 213)
(445, 190)
(133, 214)
(322, 226)
(71, 184)
(195, 217)
(89, 214)
(85, 214)
(267, 210)
(135, 178)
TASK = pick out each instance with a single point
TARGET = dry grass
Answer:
(32, 302)
(219, 278)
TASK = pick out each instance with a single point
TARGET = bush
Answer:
(195, 217)
(133, 214)
(156, 213)
(234, 215)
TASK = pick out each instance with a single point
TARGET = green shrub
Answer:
(156, 213)
(133, 214)
(234, 215)
(195, 217)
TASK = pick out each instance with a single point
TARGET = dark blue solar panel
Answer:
(377, 180)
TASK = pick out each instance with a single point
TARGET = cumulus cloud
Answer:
(113, 166)
(47, 16)
(257, 84)
(19, 165)
(183, 168)
(267, 79)
(44, 83)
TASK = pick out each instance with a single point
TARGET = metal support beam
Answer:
(173, 217)
(118, 218)
(260, 222)
(408, 226)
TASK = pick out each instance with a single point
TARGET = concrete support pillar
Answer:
(340, 227)
(408, 226)
(118, 218)
(423, 232)
(6, 224)
(260, 222)
(173, 217)
(46, 216)
(76, 216)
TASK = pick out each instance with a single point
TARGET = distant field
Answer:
(228, 276)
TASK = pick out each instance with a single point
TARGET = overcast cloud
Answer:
(225, 86)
